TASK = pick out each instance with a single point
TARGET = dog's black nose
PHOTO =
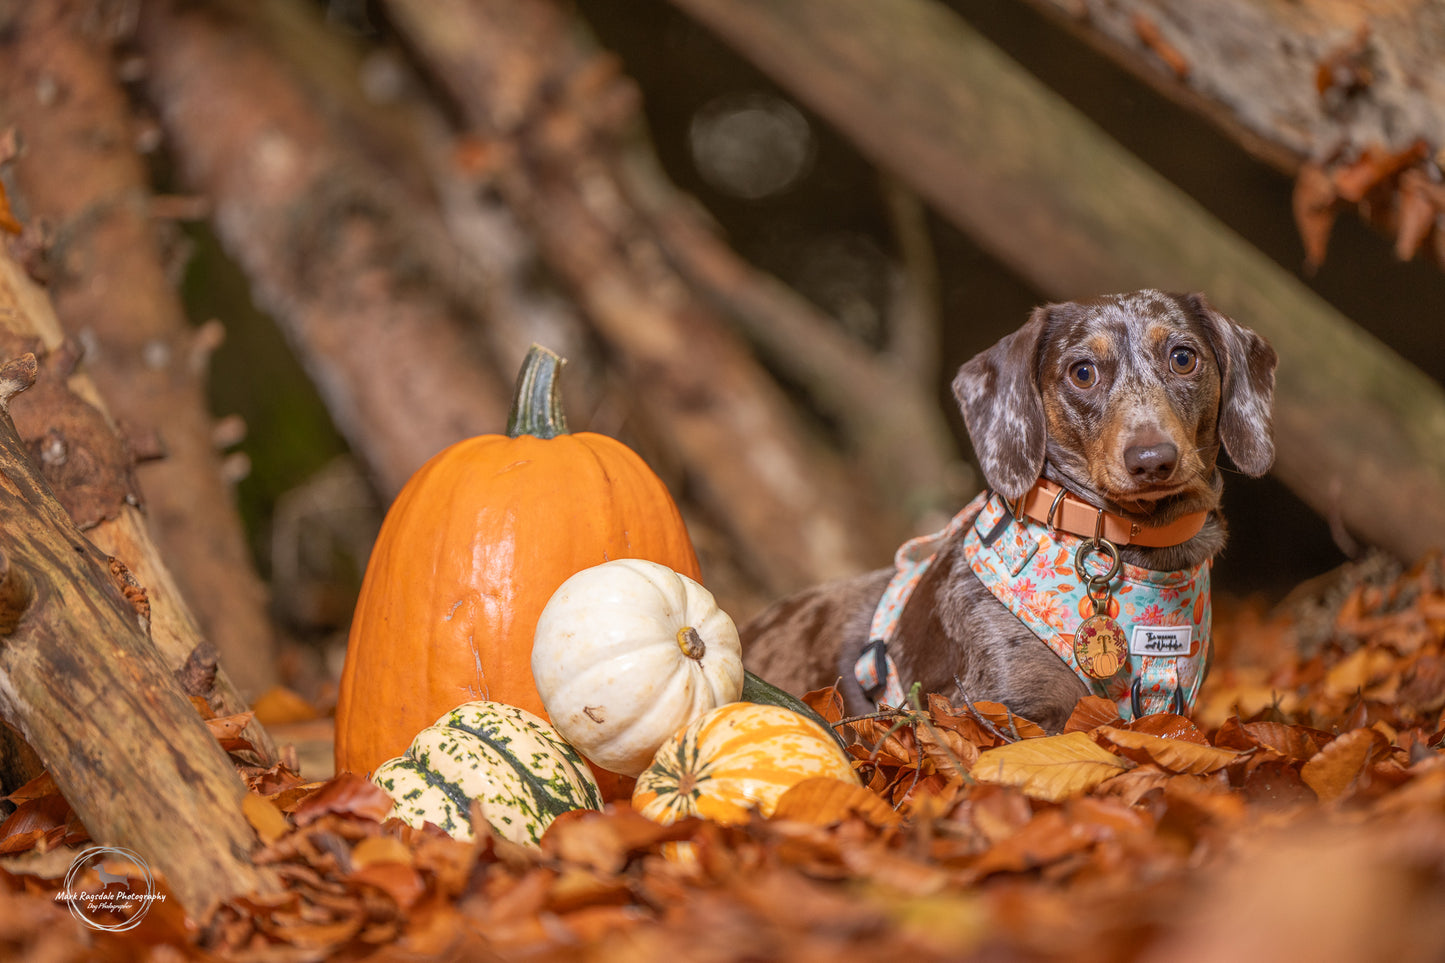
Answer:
(1151, 463)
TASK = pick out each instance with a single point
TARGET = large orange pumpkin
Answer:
(470, 552)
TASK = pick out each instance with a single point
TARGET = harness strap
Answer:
(1028, 567)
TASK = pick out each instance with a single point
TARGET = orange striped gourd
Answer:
(736, 757)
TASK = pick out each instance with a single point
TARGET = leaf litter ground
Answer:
(1298, 814)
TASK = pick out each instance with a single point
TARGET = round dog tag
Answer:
(1099, 647)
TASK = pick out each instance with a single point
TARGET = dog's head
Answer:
(1127, 395)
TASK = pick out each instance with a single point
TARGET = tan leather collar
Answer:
(1067, 512)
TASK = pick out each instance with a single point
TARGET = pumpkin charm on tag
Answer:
(1099, 647)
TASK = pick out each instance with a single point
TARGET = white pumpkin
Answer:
(628, 652)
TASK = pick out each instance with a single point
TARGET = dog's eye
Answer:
(1183, 360)
(1083, 374)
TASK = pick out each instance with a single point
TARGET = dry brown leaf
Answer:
(380, 849)
(1167, 725)
(398, 880)
(1334, 770)
(1052, 767)
(1419, 207)
(823, 801)
(279, 705)
(7, 217)
(1374, 167)
(1046, 839)
(828, 702)
(41, 785)
(1008, 721)
(584, 838)
(229, 727)
(1358, 670)
(1091, 712)
(1315, 203)
(348, 795)
(264, 817)
(1293, 742)
(1175, 755)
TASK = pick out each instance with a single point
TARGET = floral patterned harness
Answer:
(1029, 567)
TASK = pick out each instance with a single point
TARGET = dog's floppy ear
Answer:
(998, 390)
(1246, 366)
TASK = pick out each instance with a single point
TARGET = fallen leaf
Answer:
(1046, 839)
(1175, 755)
(348, 795)
(399, 880)
(264, 817)
(823, 801)
(1297, 743)
(41, 785)
(380, 849)
(229, 727)
(1091, 712)
(1007, 721)
(1358, 670)
(279, 705)
(1167, 725)
(828, 702)
(1052, 767)
(1333, 771)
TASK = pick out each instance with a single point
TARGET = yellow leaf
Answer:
(1052, 768)
(1175, 755)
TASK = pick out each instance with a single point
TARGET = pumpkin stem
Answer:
(537, 397)
(691, 643)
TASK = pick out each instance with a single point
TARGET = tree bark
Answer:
(1344, 89)
(83, 183)
(1359, 430)
(81, 680)
(64, 419)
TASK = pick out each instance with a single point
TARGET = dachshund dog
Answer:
(1097, 426)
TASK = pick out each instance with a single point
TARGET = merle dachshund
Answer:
(1102, 418)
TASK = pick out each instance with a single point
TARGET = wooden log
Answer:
(66, 407)
(82, 180)
(1008, 161)
(1347, 89)
(81, 680)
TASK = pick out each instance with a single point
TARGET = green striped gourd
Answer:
(517, 766)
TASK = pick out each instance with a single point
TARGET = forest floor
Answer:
(1299, 813)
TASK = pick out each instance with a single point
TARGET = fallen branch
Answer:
(145, 772)
(64, 414)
